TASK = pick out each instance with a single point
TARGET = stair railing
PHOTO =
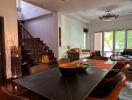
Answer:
(29, 43)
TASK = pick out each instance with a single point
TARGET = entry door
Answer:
(2, 50)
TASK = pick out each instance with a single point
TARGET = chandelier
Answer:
(108, 16)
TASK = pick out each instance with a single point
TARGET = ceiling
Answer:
(86, 10)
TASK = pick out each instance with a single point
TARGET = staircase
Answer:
(34, 47)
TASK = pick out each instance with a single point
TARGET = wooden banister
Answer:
(34, 46)
(29, 42)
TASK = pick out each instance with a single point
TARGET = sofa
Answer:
(127, 52)
(77, 53)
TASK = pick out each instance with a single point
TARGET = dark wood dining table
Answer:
(54, 86)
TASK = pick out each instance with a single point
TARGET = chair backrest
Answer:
(5, 95)
(97, 53)
(100, 58)
(127, 52)
(108, 90)
(117, 84)
(125, 69)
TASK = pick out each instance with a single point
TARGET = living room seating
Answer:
(97, 55)
(63, 61)
(73, 55)
(77, 53)
(127, 52)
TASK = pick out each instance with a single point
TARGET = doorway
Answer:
(2, 51)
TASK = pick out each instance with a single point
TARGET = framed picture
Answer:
(59, 36)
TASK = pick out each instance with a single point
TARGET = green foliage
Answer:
(129, 39)
(108, 40)
(119, 40)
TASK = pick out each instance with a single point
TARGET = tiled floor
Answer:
(126, 93)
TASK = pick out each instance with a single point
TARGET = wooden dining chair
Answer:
(97, 53)
(110, 90)
(5, 95)
(123, 68)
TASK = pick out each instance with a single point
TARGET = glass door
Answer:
(108, 44)
(119, 41)
(129, 39)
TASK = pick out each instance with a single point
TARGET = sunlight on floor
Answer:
(126, 93)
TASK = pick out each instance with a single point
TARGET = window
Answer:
(85, 32)
(119, 41)
(84, 40)
(98, 41)
(108, 43)
(112, 41)
(129, 39)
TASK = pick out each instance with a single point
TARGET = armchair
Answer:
(77, 53)
(73, 55)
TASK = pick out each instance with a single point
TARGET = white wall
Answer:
(118, 24)
(45, 28)
(71, 33)
(8, 11)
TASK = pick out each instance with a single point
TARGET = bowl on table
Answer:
(72, 69)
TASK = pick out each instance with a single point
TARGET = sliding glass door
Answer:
(111, 42)
(119, 41)
(108, 43)
(129, 39)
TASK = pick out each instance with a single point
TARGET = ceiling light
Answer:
(108, 16)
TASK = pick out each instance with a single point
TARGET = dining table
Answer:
(52, 85)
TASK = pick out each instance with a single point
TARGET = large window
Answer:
(119, 41)
(108, 43)
(84, 40)
(129, 39)
(112, 41)
(98, 41)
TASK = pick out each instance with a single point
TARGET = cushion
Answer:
(127, 52)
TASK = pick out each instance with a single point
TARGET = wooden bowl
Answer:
(70, 69)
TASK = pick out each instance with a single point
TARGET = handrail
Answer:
(34, 48)
(24, 34)
(19, 23)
